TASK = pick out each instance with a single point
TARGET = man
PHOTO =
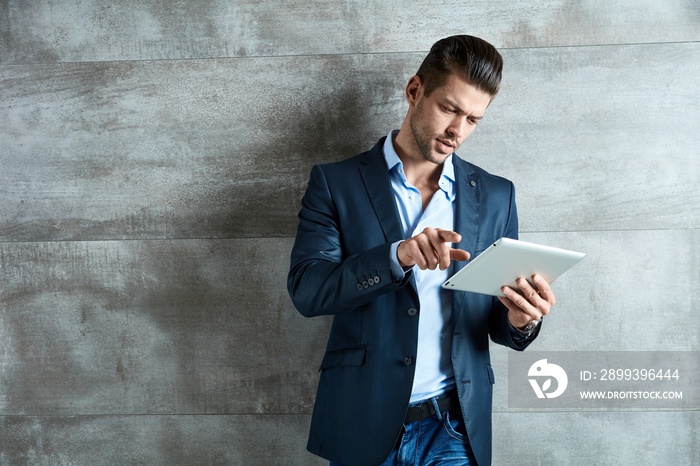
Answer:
(406, 378)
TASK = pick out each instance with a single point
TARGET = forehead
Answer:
(460, 92)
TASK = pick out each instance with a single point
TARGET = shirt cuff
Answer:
(397, 272)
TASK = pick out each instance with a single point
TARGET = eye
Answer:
(472, 121)
(447, 109)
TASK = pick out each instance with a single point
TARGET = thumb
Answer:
(459, 255)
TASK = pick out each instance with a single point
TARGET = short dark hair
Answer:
(472, 58)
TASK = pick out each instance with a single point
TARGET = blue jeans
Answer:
(436, 440)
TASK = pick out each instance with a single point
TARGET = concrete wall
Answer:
(152, 158)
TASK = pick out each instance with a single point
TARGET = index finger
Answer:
(449, 236)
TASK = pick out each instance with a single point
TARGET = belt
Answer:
(447, 402)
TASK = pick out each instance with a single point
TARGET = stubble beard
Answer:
(423, 139)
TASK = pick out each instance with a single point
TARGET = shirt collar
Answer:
(394, 163)
(390, 156)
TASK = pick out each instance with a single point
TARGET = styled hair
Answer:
(472, 58)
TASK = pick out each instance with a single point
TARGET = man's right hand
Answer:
(431, 249)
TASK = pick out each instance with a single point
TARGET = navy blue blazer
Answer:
(340, 266)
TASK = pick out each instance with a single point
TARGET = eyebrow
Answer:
(452, 103)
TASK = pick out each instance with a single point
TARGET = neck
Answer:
(419, 171)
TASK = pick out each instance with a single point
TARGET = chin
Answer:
(437, 159)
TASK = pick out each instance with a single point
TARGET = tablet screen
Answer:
(506, 260)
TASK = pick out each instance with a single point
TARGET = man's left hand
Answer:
(529, 303)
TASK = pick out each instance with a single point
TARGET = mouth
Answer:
(446, 145)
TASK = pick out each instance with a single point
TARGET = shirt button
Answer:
(472, 183)
(412, 311)
(407, 361)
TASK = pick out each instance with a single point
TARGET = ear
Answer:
(414, 89)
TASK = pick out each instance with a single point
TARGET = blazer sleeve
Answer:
(323, 278)
(500, 330)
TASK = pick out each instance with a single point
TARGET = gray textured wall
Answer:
(152, 158)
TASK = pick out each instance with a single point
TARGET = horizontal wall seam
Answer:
(307, 55)
(495, 411)
(235, 238)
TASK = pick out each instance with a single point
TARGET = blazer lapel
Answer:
(376, 178)
(375, 175)
(468, 196)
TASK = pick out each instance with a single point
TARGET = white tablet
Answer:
(506, 260)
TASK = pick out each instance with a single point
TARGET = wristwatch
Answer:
(530, 327)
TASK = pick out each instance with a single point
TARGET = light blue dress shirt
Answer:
(434, 374)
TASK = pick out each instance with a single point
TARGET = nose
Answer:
(457, 129)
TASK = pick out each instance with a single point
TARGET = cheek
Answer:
(443, 123)
(431, 125)
(470, 129)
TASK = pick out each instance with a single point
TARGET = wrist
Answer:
(529, 328)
